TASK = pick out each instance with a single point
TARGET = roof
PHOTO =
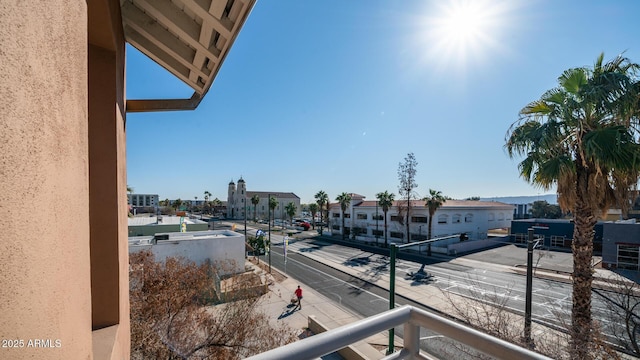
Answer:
(187, 39)
(449, 204)
(272, 193)
(164, 220)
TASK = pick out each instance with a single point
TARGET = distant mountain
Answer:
(550, 198)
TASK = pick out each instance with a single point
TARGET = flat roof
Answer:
(164, 220)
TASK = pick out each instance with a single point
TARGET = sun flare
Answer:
(465, 31)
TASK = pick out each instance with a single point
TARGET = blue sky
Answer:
(331, 95)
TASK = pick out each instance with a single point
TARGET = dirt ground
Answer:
(277, 276)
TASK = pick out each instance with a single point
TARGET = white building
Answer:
(224, 248)
(239, 202)
(139, 200)
(473, 218)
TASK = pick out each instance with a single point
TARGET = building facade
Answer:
(239, 203)
(365, 219)
(554, 233)
(143, 200)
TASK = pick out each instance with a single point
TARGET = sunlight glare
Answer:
(465, 31)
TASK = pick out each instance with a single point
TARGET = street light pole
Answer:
(269, 221)
(529, 290)
(392, 292)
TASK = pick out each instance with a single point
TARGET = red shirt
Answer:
(298, 292)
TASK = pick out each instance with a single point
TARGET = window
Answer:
(628, 257)
(418, 237)
(336, 227)
(377, 217)
(491, 217)
(557, 241)
(347, 216)
(395, 218)
(377, 232)
(397, 235)
(520, 238)
(442, 219)
(361, 216)
(419, 219)
(360, 231)
(468, 218)
(456, 218)
(336, 215)
(500, 217)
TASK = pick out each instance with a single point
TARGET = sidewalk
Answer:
(317, 312)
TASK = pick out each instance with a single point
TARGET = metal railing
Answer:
(412, 318)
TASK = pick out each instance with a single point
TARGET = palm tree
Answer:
(313, 209)
(273, 203)
(177, 203)
(321, 199)
(433, 202)
(385, 200)
(291, 210)
(207, 196)
(578, 137)
(255, 199)
(344, 200)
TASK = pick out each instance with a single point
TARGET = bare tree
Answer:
(407, 176)
(489, 310)
(623, 312)
(170, 318)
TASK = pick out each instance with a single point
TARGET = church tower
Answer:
(231, 193)
(241, 196)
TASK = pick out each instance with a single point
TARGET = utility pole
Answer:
(529, 290)
(269, 222)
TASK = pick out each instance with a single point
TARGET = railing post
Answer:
(392, 292)
(412, 339)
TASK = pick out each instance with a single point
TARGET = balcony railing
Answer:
(412, 318)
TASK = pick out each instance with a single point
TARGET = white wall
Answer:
(225, 249)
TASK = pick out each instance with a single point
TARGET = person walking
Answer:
(298, 293)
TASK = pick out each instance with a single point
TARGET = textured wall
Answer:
(228, 252)
(44, 267)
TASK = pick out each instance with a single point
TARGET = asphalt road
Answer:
(353, 294)
(551, 302)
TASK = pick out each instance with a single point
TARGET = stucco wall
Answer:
(44, 267)
(227, 252)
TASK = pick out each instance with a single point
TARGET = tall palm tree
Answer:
(291, 210)
(578, 137)
(255, 199)
(321, 199)
(344, 200)
(207, 196)
(273, 203)
(313, 209)
(433, 202)
(385, 200)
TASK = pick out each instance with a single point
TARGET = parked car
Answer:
(305, 225)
